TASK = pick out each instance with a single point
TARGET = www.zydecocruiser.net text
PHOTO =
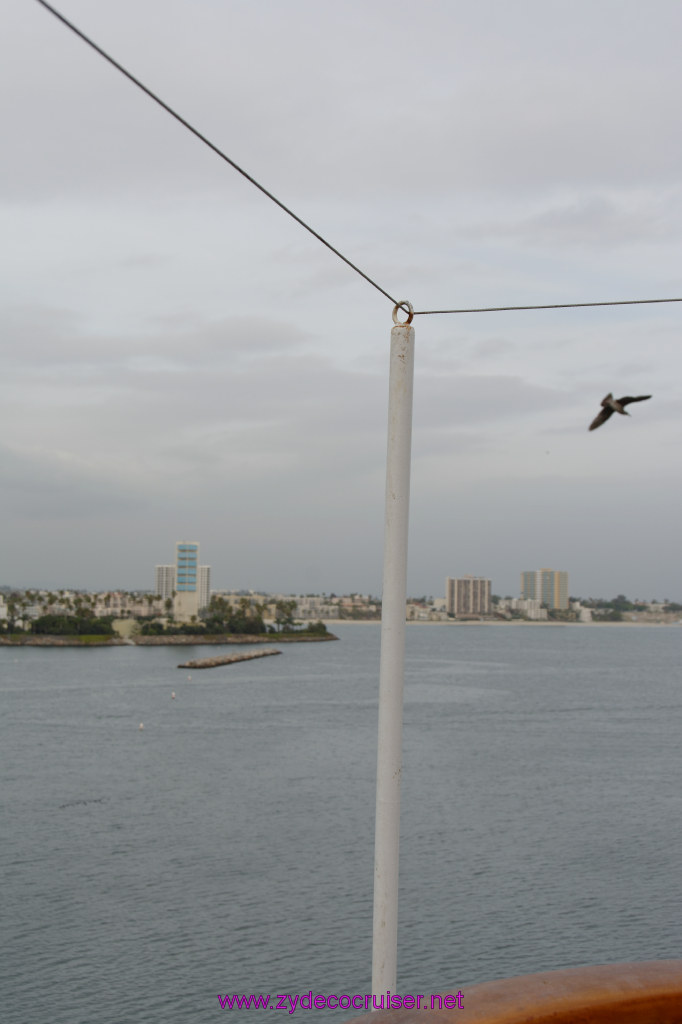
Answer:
(367, 1003)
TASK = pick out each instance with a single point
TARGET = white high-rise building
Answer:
(165, 581)
(204, 586)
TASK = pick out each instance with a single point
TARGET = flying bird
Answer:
(611, 405)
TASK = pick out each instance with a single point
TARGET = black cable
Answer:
(556, 305)
(210, 145)
(223, 156)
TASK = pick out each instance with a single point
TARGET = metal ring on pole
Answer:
(406, 307)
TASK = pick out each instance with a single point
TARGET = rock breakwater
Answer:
(227, 659)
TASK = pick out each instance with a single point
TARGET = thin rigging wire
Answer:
(207, 142)
(556, 305)
(245, 174)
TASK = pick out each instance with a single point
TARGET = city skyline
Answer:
(467, 598)
(179, 358)
(164, 590)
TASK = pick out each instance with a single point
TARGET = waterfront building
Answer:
(529, 607)
(312, 608)
(123, 605)
(467, 595)
(584, 614)
(548, 586)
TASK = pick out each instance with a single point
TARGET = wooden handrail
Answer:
(634, 993)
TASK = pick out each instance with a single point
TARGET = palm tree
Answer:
(13, 604)
(284, 613)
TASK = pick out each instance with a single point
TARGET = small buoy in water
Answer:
(141, 725)
(189, 677)
(173, 695)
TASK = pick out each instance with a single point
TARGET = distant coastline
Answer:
(675, 621)
(199, 640)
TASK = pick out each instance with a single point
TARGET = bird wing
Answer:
(630, 398)
(603, 416)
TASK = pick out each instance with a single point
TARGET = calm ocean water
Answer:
(228, 847)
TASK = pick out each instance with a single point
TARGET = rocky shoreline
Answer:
(181, 640)
(228, 638)
(62, 641)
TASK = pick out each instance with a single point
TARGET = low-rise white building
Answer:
(530, 607)
(316, 607)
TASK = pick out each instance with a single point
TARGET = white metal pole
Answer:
(392, 669)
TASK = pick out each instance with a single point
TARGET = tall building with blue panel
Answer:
(186, 567)
(186, 580)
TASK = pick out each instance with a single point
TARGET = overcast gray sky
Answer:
(180, 360)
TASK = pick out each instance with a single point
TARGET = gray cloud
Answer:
(177, 357)
(470, 108)
(600, 221)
